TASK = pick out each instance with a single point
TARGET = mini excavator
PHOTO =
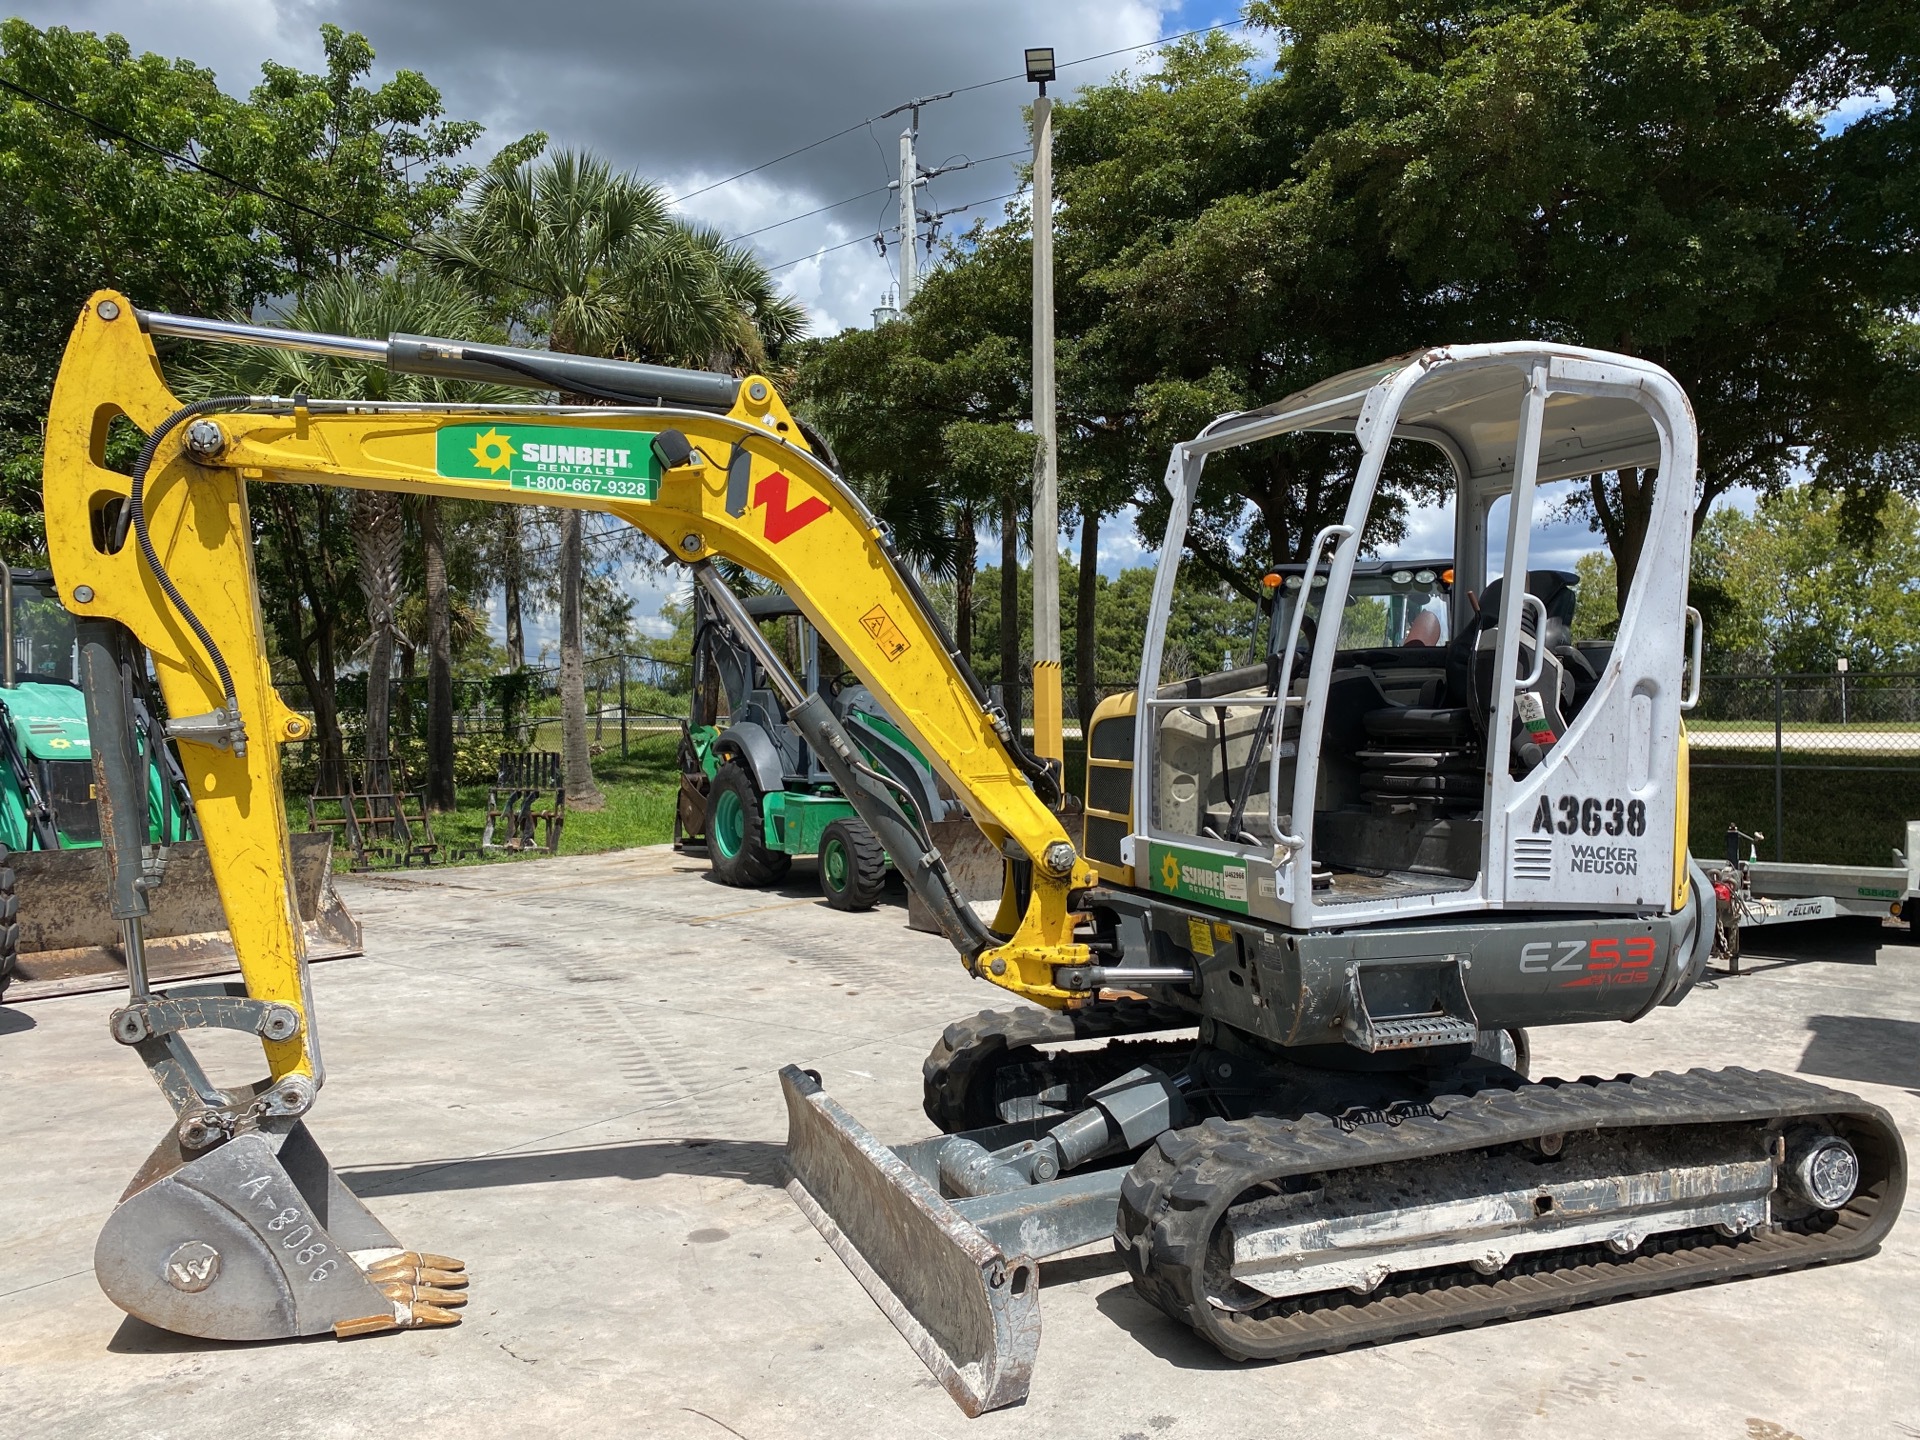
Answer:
(1318, 902)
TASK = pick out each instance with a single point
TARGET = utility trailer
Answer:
(1751, 892)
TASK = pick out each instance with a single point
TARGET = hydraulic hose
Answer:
(136, 515)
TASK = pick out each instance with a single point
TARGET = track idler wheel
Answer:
(959, 1077)
(257, 1239)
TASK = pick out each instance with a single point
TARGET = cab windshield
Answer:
(1388, 606)
(43, 634)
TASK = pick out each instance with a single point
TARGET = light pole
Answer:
(1046, 478)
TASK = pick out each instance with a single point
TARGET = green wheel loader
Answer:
(756, 795)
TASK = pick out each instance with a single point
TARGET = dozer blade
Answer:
(70, 943)
(970, 1311)
(257, 1239)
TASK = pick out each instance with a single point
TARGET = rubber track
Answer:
(947, 1075)
(1181, 1188)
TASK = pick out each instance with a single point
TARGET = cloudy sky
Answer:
(691, 95)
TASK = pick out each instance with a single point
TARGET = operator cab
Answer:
(39, 643)
(1448, 745)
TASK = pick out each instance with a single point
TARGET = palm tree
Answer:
(417, 303)
(593, 259)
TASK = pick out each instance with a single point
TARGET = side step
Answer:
(970, 1311)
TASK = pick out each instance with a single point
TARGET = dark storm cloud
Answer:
(708, 89)
(689, 94)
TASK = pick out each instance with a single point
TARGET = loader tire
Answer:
(736, 832)
(853, 866)
(9, 923)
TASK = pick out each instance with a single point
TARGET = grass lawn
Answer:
(1764, 724)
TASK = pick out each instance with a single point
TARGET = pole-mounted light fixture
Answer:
(1040, 66)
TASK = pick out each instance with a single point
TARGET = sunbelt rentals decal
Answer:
(1196, 875)
(555, 459)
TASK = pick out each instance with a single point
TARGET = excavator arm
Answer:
(161, 559)
(740, 484)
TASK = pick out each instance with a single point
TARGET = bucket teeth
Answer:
(421, 1315)
(402, 1292)
(413, 1268)
(366, 1325)
(412, 1310)
(446, 1264)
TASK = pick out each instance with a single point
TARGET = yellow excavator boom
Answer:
(717, 470)
(751, 491)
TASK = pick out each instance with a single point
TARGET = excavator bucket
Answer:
(970, 1311)
(70, 943)
(257, 1239)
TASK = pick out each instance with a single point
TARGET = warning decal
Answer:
(884, 633)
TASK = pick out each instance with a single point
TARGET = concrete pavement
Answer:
(563, 1072)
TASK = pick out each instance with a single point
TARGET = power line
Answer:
(592, 538)
(755, 170)
(868, 239)
(238, 184)
(193, 164)
(961, 90)
(1109, 54)
(864, 194)
(808, 215)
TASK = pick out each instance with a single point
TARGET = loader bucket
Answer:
(970, 1311)
(256, 1239)
(70, 943)
(974, 862)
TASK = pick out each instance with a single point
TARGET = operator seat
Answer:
(1429, 759)
(1477, 650)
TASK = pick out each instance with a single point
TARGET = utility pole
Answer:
(1047, 739)
(909, 178)
(910, 181)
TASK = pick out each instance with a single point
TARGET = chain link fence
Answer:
(1826, 767)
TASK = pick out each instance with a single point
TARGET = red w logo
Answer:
(782, 519)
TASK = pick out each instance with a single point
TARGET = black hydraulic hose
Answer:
(136, 514)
